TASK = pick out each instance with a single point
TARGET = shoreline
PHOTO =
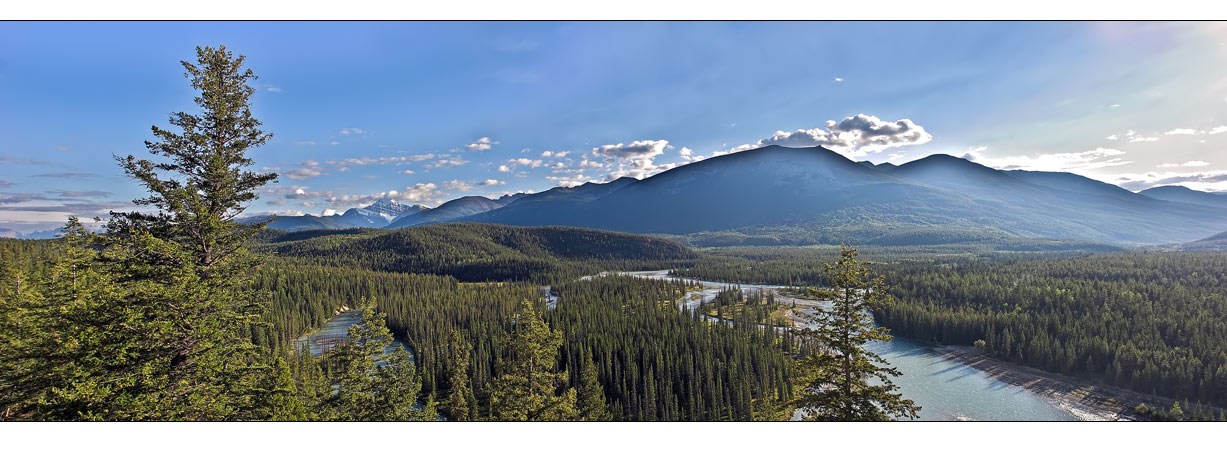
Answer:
(1084, 400)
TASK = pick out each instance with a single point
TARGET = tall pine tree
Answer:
(528, 385)
(461, 396)
(152, 319)
(590, 401)
(838, 379)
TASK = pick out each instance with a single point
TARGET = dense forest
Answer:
(478, 252)
(1152, 322)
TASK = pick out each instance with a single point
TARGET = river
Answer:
(334, 329)
(943, 388)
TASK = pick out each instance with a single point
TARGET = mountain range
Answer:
(814, 195)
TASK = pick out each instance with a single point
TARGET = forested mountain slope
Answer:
(471, 252)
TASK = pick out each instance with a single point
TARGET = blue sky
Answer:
(426, 112)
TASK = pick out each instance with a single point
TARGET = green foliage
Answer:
(590, 401)
(477, 252)
(838, 376)
(369, 385)
(656, 362)
(527, 388)
(1151, 322)
(278, 399)
(460, 399)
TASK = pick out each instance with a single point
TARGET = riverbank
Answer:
(1086, 401)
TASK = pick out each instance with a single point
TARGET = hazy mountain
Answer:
(379, 214)
(531, 209)
(814, 195)
(298, 222)
(1216, 242)
(36, 235)
(448, 211)
(508, 199)
(817, 195)
(1178, 193)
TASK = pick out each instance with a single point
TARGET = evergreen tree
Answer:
(836, 382)
(370, 384)
(461, 394)
(590, 400)
(527, 387)
(278, 399)
(78, 356)
(162, 331)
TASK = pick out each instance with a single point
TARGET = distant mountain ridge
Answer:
(379, 214)
(448, 211)
(814, 195)
(1177, 193)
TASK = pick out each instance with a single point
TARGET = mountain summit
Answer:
(815, 195)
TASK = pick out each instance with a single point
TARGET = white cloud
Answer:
(420, 193)
(1203, 180)
(482, 144)
(458, 185)
(397, 160)
(1190, 163)
(272, 89)
(569, 181)
(489, 182)
(522, 161)
(408, 171)
(1217, 130)
(637, 150)
(1114, 106)
(1181, 132)
(446, 162)
(839, 79)
(1096, 158)
(630, 160)
(1113, 137)
(854, 136)
(305, 143)
(309, 169)
(327, 212)
(1141, 139)
(352, 131)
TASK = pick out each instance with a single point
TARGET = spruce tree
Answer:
(590, 401)
(77, 357)
(527, 387)
(461, 393)
(278, 399)
(837, 380)
(369, 384)
(180, 314)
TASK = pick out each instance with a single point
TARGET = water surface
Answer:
(336, 328)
